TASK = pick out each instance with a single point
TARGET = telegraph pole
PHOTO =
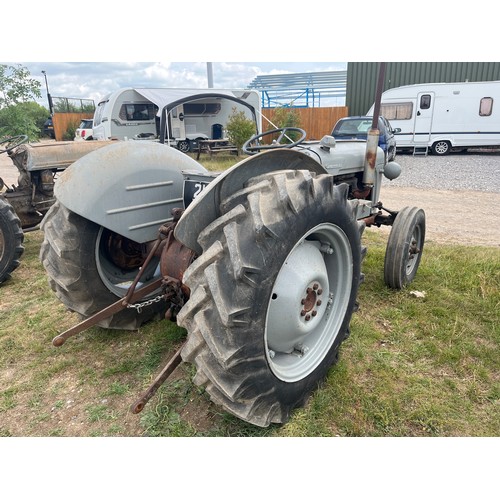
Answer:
(210, 75)
(49, 98)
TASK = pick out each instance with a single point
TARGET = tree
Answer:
(286, 117)
(24, 118)
(16, 85)
(239, 128)
(17, 89)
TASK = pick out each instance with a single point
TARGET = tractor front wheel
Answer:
(272, 294)
(404, 247)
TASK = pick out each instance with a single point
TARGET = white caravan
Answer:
(442, 116)
(178, 117)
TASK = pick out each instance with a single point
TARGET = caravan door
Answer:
(177, 122)
(423, 118)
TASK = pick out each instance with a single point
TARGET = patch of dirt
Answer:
(469, 218)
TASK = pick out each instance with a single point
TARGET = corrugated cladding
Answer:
(362, 78)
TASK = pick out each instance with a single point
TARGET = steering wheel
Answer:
(12, 143)
(251, 150)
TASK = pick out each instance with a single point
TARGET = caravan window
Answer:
(138, 112)
(397, 111)
(486, 106)
(425, 101)
(200, 108)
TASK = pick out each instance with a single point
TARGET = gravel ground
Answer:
(460, 194)
(456, 171)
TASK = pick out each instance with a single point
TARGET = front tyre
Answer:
(272, 294)
(90, 268)
(11, 240)
(404, 247)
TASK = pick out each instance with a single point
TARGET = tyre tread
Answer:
(234, 373)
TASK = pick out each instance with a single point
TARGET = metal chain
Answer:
(139, 307)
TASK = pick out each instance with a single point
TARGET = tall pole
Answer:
(49, 98)
(210, 75)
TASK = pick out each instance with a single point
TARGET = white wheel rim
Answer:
(308, 302)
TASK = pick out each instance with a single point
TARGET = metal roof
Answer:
(300, 89)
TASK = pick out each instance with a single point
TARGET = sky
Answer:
(93, 80)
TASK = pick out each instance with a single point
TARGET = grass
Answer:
(412, 366)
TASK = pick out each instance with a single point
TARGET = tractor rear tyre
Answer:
(272, 294)
(11, 240)
(404, 247)
(84, 273)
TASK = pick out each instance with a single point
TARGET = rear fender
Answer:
(205, 208)
(129, 187)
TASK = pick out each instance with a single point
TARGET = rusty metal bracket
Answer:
(131, 297)
(169, 368)
(104, 313)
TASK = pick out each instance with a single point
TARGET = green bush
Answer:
(69, 135)
(26, 118)
(239, 128)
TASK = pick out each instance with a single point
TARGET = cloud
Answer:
(94, 80)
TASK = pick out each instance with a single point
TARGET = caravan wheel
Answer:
(441, 148)
(184, 146)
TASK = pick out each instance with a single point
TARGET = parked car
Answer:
(48, 128)
(84, 130)
(356, 127)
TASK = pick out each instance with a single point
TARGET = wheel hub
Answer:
(303, 274)
(311, 301)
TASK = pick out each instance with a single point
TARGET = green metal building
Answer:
(362, 78)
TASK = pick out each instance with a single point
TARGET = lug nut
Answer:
(318, 303)
(314, 312)
(308, 317)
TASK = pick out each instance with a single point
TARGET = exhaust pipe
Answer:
(374, 133)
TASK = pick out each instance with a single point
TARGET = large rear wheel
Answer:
(272, 294)
(11, 240)
(90, 267)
